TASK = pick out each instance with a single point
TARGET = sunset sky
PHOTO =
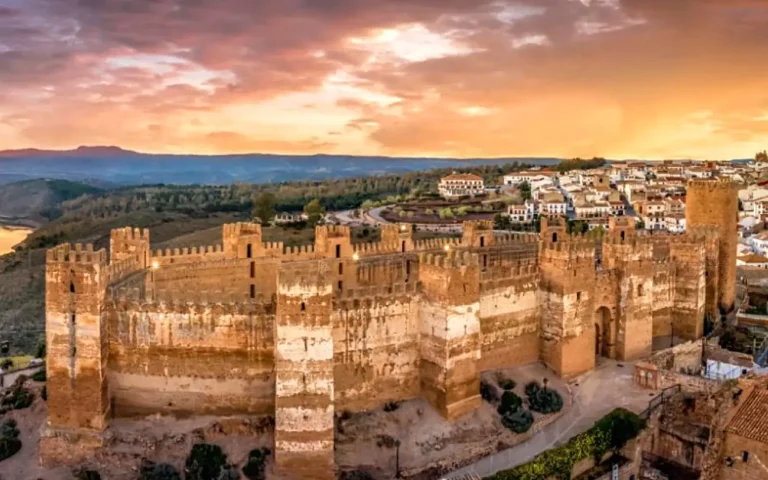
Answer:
(464, 78)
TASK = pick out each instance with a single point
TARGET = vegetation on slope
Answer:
(40, 199)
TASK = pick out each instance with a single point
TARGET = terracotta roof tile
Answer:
(751, 420)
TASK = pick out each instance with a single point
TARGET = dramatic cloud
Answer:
(620, 78)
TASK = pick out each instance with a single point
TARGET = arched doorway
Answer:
(605, 333)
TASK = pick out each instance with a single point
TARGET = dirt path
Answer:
(596, 393)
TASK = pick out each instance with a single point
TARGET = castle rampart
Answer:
(253, 327)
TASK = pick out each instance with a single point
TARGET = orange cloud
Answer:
(618, 78)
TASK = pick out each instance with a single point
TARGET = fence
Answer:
(660, 400)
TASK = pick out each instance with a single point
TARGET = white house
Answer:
(461, 185)
(759, 243)
(753, 260)
(674, 222)
(519, 213)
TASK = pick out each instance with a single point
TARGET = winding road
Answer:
(596, 393)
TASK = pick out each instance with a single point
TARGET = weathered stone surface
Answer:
(303, 333)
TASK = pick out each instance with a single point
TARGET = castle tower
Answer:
(399, 234)
(242, 240)
(75, 285)
(334, 242)
(623, 312)
(449, 321)
(127, 243)
(567, 266)
(715, 203)
(688, 257)
(477, 234)
(304, 410)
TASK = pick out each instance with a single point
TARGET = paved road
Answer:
(595, 394)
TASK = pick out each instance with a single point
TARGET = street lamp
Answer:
(397, 459)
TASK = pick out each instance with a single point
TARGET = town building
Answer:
(459, 185)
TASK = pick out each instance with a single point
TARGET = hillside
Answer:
(39, 200)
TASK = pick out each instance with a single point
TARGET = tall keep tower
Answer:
(714, 203)
(75, 285)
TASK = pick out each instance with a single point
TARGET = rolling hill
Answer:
(37, 201)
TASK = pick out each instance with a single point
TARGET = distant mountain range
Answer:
(82, 152)
(109, 165)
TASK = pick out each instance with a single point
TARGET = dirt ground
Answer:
(431, 445)
(156, 438)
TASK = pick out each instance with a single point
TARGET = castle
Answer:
(252, 327)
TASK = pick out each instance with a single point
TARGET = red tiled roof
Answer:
(751, 419)
(462, 176)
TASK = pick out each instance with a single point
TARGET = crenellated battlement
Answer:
(170, 253)
(298, 252)
(333, 231)
(117, 271)
(722, 184)
(241, 228)
(515, 238)
(78, 253)
(451, 259)
(130, 234)
(436, 244)
(375, 248)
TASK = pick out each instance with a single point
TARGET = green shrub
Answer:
(356, 475)
(17, 397)
(40, 351)
(531, 388)
(488, 392)
(85, 474)
(9, 439)
(507, 384)
(510, 403)
(519, 421)
(546, 400)
(607, 433)
(39, 376)
(206, 461)
(254, 467)
(158, 471)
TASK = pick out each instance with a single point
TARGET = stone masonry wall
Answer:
(376, 350)
(180, 358)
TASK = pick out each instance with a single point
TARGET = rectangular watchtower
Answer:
(76, 337)
(449, 322)
(304, 383)
(567, 301)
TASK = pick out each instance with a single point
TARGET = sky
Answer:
(459, 78)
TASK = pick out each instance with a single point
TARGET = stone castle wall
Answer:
(254, 327)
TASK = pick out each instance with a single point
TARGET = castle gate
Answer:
(605, 333)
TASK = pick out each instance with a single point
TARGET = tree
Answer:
(6, 364)
(761, 156)
(314, 212)
(501, 222)
(264, 207)
(525, 190)
(40, 352)
(206, 461)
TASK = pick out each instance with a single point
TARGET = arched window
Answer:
(554, 237)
